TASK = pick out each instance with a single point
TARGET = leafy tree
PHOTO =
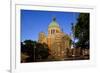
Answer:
(82, 30)
(36, 51)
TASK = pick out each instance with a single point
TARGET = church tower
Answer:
(53, 27)
(42, 38)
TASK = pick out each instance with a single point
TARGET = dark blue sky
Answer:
(33, 22)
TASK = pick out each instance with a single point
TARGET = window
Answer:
(52, 31)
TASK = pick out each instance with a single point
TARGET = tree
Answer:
(82, 30)
(36, 51)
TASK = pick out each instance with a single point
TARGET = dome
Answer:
(54, 24)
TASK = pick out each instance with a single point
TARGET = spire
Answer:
(54, 18)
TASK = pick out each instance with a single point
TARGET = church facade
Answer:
(57, 41)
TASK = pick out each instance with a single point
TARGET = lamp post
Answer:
(73, 40)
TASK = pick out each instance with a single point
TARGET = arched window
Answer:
(52, 31)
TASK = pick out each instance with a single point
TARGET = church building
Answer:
(57, 41)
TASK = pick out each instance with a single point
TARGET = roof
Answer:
(53, 23)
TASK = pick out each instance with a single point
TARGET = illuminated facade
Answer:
(57, 41)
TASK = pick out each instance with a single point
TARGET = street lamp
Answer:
(73, 40)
